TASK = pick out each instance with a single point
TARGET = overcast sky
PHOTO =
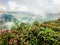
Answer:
(35, 6)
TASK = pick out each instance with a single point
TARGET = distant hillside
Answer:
(20, 16)
(51, 16)
(26, 17)
(9, 18)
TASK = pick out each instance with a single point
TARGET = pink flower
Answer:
(26, 43)
(12, 40)
(4, 31)
(16, 41)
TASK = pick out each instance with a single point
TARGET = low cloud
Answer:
(38, 7)
(2, 7)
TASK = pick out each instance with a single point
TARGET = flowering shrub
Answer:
(26, 34)
(4, 31)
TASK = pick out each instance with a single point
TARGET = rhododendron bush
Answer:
(26, 34)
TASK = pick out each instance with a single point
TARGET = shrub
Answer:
(25, 34)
